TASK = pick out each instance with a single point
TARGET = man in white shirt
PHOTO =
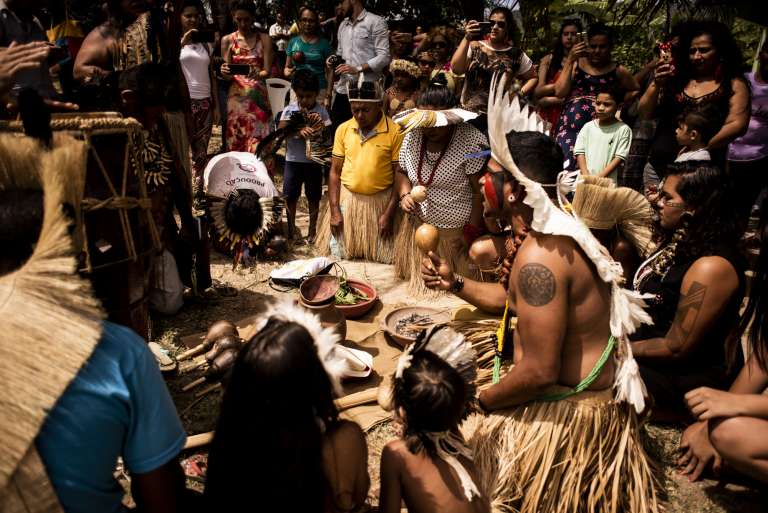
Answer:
(280, 33)
(364, 46)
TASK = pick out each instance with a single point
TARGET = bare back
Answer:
(553, 269)
(426, 485)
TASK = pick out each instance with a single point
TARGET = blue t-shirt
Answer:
(296, 146)
(315, 55)
(117, 405)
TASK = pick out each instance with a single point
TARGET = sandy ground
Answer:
(199, 414)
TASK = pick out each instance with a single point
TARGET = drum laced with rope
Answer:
(114, 234)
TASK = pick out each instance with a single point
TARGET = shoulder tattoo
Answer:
(537, 284)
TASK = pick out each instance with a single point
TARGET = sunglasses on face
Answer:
(439, 44)
(426, 63)
(499, 23)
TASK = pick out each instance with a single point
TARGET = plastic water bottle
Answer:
(337, 245)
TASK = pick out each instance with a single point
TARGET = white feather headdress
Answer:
(326, 339)
(627, 307)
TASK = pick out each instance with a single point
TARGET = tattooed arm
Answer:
(707, 287)
(539, 285)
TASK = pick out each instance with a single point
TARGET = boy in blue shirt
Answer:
(298, 168)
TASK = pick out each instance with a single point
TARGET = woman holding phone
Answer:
(195, 59)
(248, 111)
(588, 68)
(479, 58)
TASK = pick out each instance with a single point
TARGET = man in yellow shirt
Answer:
(360, 217)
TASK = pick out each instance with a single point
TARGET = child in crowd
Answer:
(279, 443)
(602, 145)
(298, 168)
(431, 467)
(694, 130)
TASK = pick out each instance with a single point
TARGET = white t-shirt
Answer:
(195, 61)
(449, 195)
(280, 30)
(601, 144)
(702, 154)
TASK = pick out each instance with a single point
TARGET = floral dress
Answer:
(248, 111)
(578, 109)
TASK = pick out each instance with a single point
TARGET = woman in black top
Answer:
(705, 69)
(696, 282)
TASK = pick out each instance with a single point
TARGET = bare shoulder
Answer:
(347, 434)
(713, 270)
(553, 249)
(396, 448)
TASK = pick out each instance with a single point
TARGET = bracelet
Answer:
(404, 195)
(458, 284)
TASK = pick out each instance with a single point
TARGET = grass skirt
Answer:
(452, 248)
(580, 454)
(361, 226)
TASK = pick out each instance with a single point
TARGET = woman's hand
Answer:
(472, 31)
(187, 38)
(263, 74)
(407, 204)
(707, 403)
(225, 71)
(664, 71)
(578, 51)
(698, 451)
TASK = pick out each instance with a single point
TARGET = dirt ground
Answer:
(199, 414)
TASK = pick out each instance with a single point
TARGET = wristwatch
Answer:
(458, 284)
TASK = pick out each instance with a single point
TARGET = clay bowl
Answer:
(363, 307)
(439, 316)
(319, 290)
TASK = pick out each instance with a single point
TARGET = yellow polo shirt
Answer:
(368, 163)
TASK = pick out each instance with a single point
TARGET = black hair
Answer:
(197, 4)
(21, 219)
(754, 319)
(614, 92)
(728, 50)
(149, 81)
(509, 18)
(305, 80)
(268, 441)
(600, 29)
(432, 394)
(706, 191)
(310, 9)
(437, 94)
(707, 120)
(243, 213)
(243, 5)
(538, 156)
(559, 51)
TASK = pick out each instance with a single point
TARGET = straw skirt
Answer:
(580, 454)
(408, 256)
(361, 226)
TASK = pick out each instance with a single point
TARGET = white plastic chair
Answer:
(278, 90)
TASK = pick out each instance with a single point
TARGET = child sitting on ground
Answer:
(694, 130)
(431, 467)
(299, 169)
(602, 145)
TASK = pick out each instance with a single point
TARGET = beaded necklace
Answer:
(423, 152)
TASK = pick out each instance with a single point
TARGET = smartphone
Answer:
(203, 36)
(583, 36)
(485, 27)
(239, 69)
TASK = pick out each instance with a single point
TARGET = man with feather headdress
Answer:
(562, 431)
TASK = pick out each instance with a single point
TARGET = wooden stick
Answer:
(193, 366)
(357, 399)
(190, 386)
(209, 388)
(191, 352)
(199, 440)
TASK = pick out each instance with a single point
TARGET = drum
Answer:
(115, 234)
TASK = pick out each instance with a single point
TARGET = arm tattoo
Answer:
(687, 313)
(537, 284)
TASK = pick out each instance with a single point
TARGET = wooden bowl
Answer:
(319, 290)
(363, 307)
(439, 316)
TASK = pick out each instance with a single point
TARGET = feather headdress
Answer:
(627, 307)
(326, 339)
(422, 118)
